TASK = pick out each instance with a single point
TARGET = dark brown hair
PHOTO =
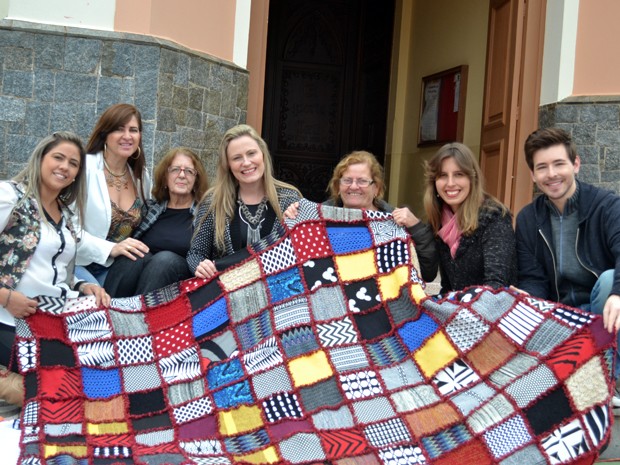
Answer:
(545, 138)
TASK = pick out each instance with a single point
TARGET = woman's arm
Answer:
(499, 253)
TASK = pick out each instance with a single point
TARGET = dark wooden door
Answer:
(326, 86)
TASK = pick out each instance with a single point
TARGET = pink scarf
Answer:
(450, 232)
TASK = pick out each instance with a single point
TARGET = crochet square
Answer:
(310, 369)
(128, 324)
(361, 384)
(597, 422)
(572, 316)
(588, 385)
(267, 455)
(549, 334)
(232, 396)
(271, 382)
(162, 295)
(507, 436)
(565, 443)
(491, 305)
(392, 255)
(143, 403)
(410, 455)
(390, 285)
(327, 303)
(348, 358)
(311, 242)
(221, 374)
(135, 350)
(356, 266)
(372, 325)
(343, 443)
(574, 351)
(59, 411)
(362, 295)
(446, 441)
(434, 354)
(205, 295)
(414, 333)
(183, 392)
(403, 307)
(285, 285)
(387, 351)
(255, 330)
(382, 233)
(322, 395)
(466, 329)
(292, 313)
(279, 257)
(247, 301)
(529, 454)
(89, 326)
(241, 275)
(339, 214)
(471, 452)
(247, 442)
(319, 272)
(140, 377)
(128, 304)
(263, 356)
(101, 384)
(282, 405)
(531, 385)
(337, 333)
(519, 323)
(49, 304)
(347, 239)
(455, 377)
(165, 317)
(402, 374)
(432, 419)
(98, 353)
(218, 347)
(491, 353)
(27, 355)
(514, 367)
(210, 318)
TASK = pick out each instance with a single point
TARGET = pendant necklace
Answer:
(253, 222)
(112, 179)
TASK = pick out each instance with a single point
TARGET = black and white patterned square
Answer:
(83, 327)
(181, 366)
(271, 382)
(291, 313)
(278, 258)
(455, 377)
(337, 333)
(388, 432)
(470, 399)
(26, 355)
(466, 329)
(135, 350)
(565, 443)
(384, 231)
(360, 384)
(97, 353)
(348, 358)
(507, 436)
(307, 211)
(140, 377)
(128, 324)
(519, 323)
(532, 385)
(372, 410)
(362, 295)
(282, 405)
(262, 357)
(402, 455)
(575, 318)
(392, 255)
(193, 410)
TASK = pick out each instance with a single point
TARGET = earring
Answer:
(105, 148)
(138, 156)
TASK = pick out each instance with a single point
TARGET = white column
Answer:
(242, 33)
(93, 14)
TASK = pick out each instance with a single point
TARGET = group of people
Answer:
(91, 222)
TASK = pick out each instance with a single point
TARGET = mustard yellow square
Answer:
(76, 451)
(240, 276)
(435, 354)
(356, 266)
(240, 420)
(268, 455)
(310, 369)
(107, 428)
(417, 292)
(390, 285)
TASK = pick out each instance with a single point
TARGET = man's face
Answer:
(554, 174)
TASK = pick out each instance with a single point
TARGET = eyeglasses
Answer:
(360, 182)
(176, 170)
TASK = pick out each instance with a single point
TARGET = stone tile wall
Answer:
(58, 78)
(594, 123)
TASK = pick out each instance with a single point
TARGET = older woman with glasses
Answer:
(180, 181)
(357, 182)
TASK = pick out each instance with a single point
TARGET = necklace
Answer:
(112, 179)
(253, 222)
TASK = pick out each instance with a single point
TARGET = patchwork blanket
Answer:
(316, 347)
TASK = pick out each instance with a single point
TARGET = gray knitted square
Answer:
(328, 303)
(247, 301)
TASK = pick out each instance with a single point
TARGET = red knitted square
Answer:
(173, 340)
(474, 452)
(60, 383)
(167, 315)
(48, 327)
(311, 242)
(570, 355)
(59, 411)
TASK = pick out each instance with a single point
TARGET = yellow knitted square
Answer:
(435, 354)
(241, 275)
(75, 451)
(390, 284)
(269, 455)
(240, 420)
(310, 368)
(119, 427)
(356, 266)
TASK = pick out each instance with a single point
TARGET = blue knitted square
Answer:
(224, 373)
(416, 332)
(284, 285)
(345, 239)
(101, 384)
(234, 395)
(210, 318)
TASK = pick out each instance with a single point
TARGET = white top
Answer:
(93, 246)
(47, 271)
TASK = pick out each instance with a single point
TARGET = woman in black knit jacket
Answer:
(474, 233)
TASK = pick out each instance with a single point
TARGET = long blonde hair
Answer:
(224, 191)
(468, 212)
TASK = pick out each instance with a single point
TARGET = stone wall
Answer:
(59, 78)
(594, 123)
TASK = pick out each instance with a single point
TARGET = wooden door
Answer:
(511, 97)
(326, 86)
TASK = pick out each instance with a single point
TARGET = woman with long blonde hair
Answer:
(244, 205)
(475, 237)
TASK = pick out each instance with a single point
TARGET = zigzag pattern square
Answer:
(317, 346)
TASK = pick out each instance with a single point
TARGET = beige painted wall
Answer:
(598, 35)
(433, 36)
(203, 25)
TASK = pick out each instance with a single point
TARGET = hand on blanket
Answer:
(101, 296)
(291, 211)
(404, 217)
(205, 269)
(19, 305)
(130, 248)
(611, 313)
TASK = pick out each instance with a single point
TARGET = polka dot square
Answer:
(311, 242)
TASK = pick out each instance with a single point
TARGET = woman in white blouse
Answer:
(38, 241)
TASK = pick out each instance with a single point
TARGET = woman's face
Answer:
(59, 168)
(452, 184)
(181, 175)
(245, 161)
(124, 140)
(352, 194)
